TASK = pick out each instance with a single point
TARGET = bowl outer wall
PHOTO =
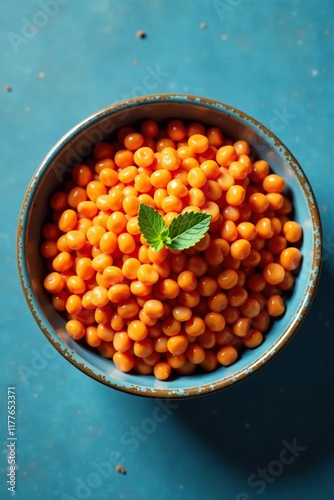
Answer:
(72, 148)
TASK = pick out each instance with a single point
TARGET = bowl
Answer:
(73, 147)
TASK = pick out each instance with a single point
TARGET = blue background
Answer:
(65, 59)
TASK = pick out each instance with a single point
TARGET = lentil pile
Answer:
(167, 311)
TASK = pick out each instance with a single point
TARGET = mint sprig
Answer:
(184, 231)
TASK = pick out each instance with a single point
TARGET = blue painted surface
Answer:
(272, 60)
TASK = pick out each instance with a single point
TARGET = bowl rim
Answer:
(137, 388)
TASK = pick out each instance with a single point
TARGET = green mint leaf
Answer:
(187, 229)
(152, 226)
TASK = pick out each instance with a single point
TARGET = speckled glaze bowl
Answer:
(72, 149)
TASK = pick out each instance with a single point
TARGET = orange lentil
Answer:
(227, 279)
(187, 369)
(176, 130)
(288, 282)
(261, 321)
(197, 265)
(217, 302)
(227, 355)
(103, 314)
(103, 150)
(238, 170)
(171, 203)
(171, 326)
(195, 353)
(240, 249)
(275, 200)
(169, 159)
(82, 175)
(59, 301)
(87, 209)
(290, 258)
(54, 283)
(217, 251)
(177, 344)
(195, 128)
(59, 201)
(265, 228)
(241, 326)
(50, 231)
(199, 143)
(225, 155)
(252, 260)
(292, 231)
(276, 244)
(76, 195)
(162, 370)
(122, 341)
(164, 142)
(189, 163)
(286, 207)
(67, 220)
(273, 273)
(123, 361)
(75, 329)
(275, 305)
(163, 268)
(117, 322)
(149, 128)
(115, 199)
(196, 177)
(210, 169)
(273, 183)
(105, 163)
(118, 293)
(258, 203)
(95, 189)
(189, 299)
(154, 308)
(106, 349)
(214, 321)
(195, 326)
(140, 289)
(187, 281)
(176, 360)
(250, 308)
(236, 296)
(63, 261)
(92, 337)
(215, 137)
(253, 340)
(260, 170)
(124, 158)
(160, 343)
(73, 304)
(235, 195)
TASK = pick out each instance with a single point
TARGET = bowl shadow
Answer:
(289, 400)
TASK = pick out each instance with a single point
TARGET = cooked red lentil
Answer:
(167, 311)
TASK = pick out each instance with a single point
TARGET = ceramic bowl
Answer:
(72, 149)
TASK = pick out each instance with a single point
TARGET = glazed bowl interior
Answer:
(74, 147)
